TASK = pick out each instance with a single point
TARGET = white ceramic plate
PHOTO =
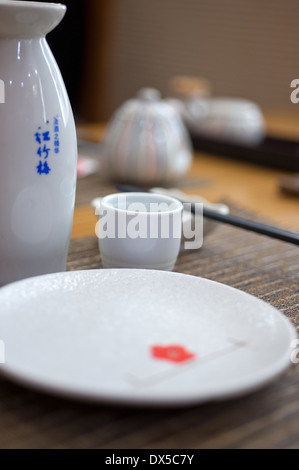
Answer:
(140, 337)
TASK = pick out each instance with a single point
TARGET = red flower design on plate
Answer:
(173, 353)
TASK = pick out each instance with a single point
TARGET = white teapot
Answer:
(146, 141)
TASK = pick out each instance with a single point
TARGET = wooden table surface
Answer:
(217, 178)
(266, 268)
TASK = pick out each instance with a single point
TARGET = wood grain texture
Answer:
(266, 268)
(214, 177)
(268, 418)
(265, 419)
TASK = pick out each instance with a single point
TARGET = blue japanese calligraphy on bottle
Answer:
(43, 139)
(38, 146)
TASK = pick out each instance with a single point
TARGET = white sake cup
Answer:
(139, 230)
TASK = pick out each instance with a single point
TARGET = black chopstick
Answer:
(247, 224)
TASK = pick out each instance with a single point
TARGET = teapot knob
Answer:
(149, 94)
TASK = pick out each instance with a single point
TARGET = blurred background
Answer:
(108, 49)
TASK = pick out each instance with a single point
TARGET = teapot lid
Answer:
(146, 102)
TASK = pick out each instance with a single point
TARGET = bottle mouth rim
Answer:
(31, 5)
(25, 20)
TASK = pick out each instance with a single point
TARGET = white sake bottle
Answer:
(38, 146)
